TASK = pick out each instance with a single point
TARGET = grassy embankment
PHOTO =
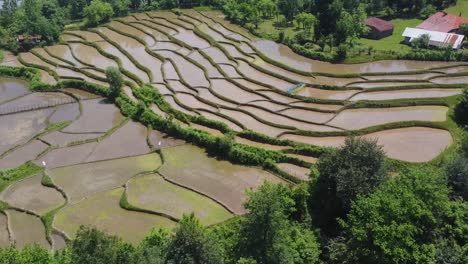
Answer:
(460, 8)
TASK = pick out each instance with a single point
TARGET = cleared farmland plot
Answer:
(31, 195)
(26, 229)
(98, 116)
(102, 211)
(12, 88)
(81, 181)
(153, 193)
(4, 234)
(189, 166)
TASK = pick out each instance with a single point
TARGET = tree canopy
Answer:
(405, 220)
(355, 169)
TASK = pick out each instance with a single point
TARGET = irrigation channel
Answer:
(105, 170)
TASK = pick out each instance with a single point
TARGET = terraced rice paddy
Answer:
(190, 167)
(203, 66)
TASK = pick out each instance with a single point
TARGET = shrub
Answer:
(324, 56)
(461, 109)
(456, 173)
(116, 81)
(421, 41)
(98, 12)
(463, 29)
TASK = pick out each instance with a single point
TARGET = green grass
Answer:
(47, 181)
(1, 56)
(203, 8)
(392, 42)
(4, 206)
(269, 26)
(56, 126)
(460, 7)
(8, 177)
(48, 219)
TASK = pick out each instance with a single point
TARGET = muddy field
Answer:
(202, 65)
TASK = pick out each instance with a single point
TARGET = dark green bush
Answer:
(461, 109)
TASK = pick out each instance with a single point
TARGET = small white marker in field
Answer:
(43, 163)
(159, 143)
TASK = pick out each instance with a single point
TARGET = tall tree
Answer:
(98, 12)
(77, 8)
(116, 81)
(9, 7)
(289, 8)
(191, 244)
(266, 233)
(94, 247)
(355, 169)
(32, 14)
(456, 173)
(403, 221)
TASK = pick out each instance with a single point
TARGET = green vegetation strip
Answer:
(8, 177)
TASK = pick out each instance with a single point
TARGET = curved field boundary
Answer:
(127, 206)
(347, 106)
(129, 56)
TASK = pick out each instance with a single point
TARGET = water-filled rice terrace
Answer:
(105, 170)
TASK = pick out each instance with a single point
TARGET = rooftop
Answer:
(439, 39)
(379, 24)
(443, 22)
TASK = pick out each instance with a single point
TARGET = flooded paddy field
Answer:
(31, 195)
(103, 211)
(153, 193)
(203, 66)
(224, 182)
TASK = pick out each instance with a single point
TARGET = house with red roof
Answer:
(379, 28)
(443, 22)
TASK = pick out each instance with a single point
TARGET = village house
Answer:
(379, 28)
(436, 38)
(443, 22)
